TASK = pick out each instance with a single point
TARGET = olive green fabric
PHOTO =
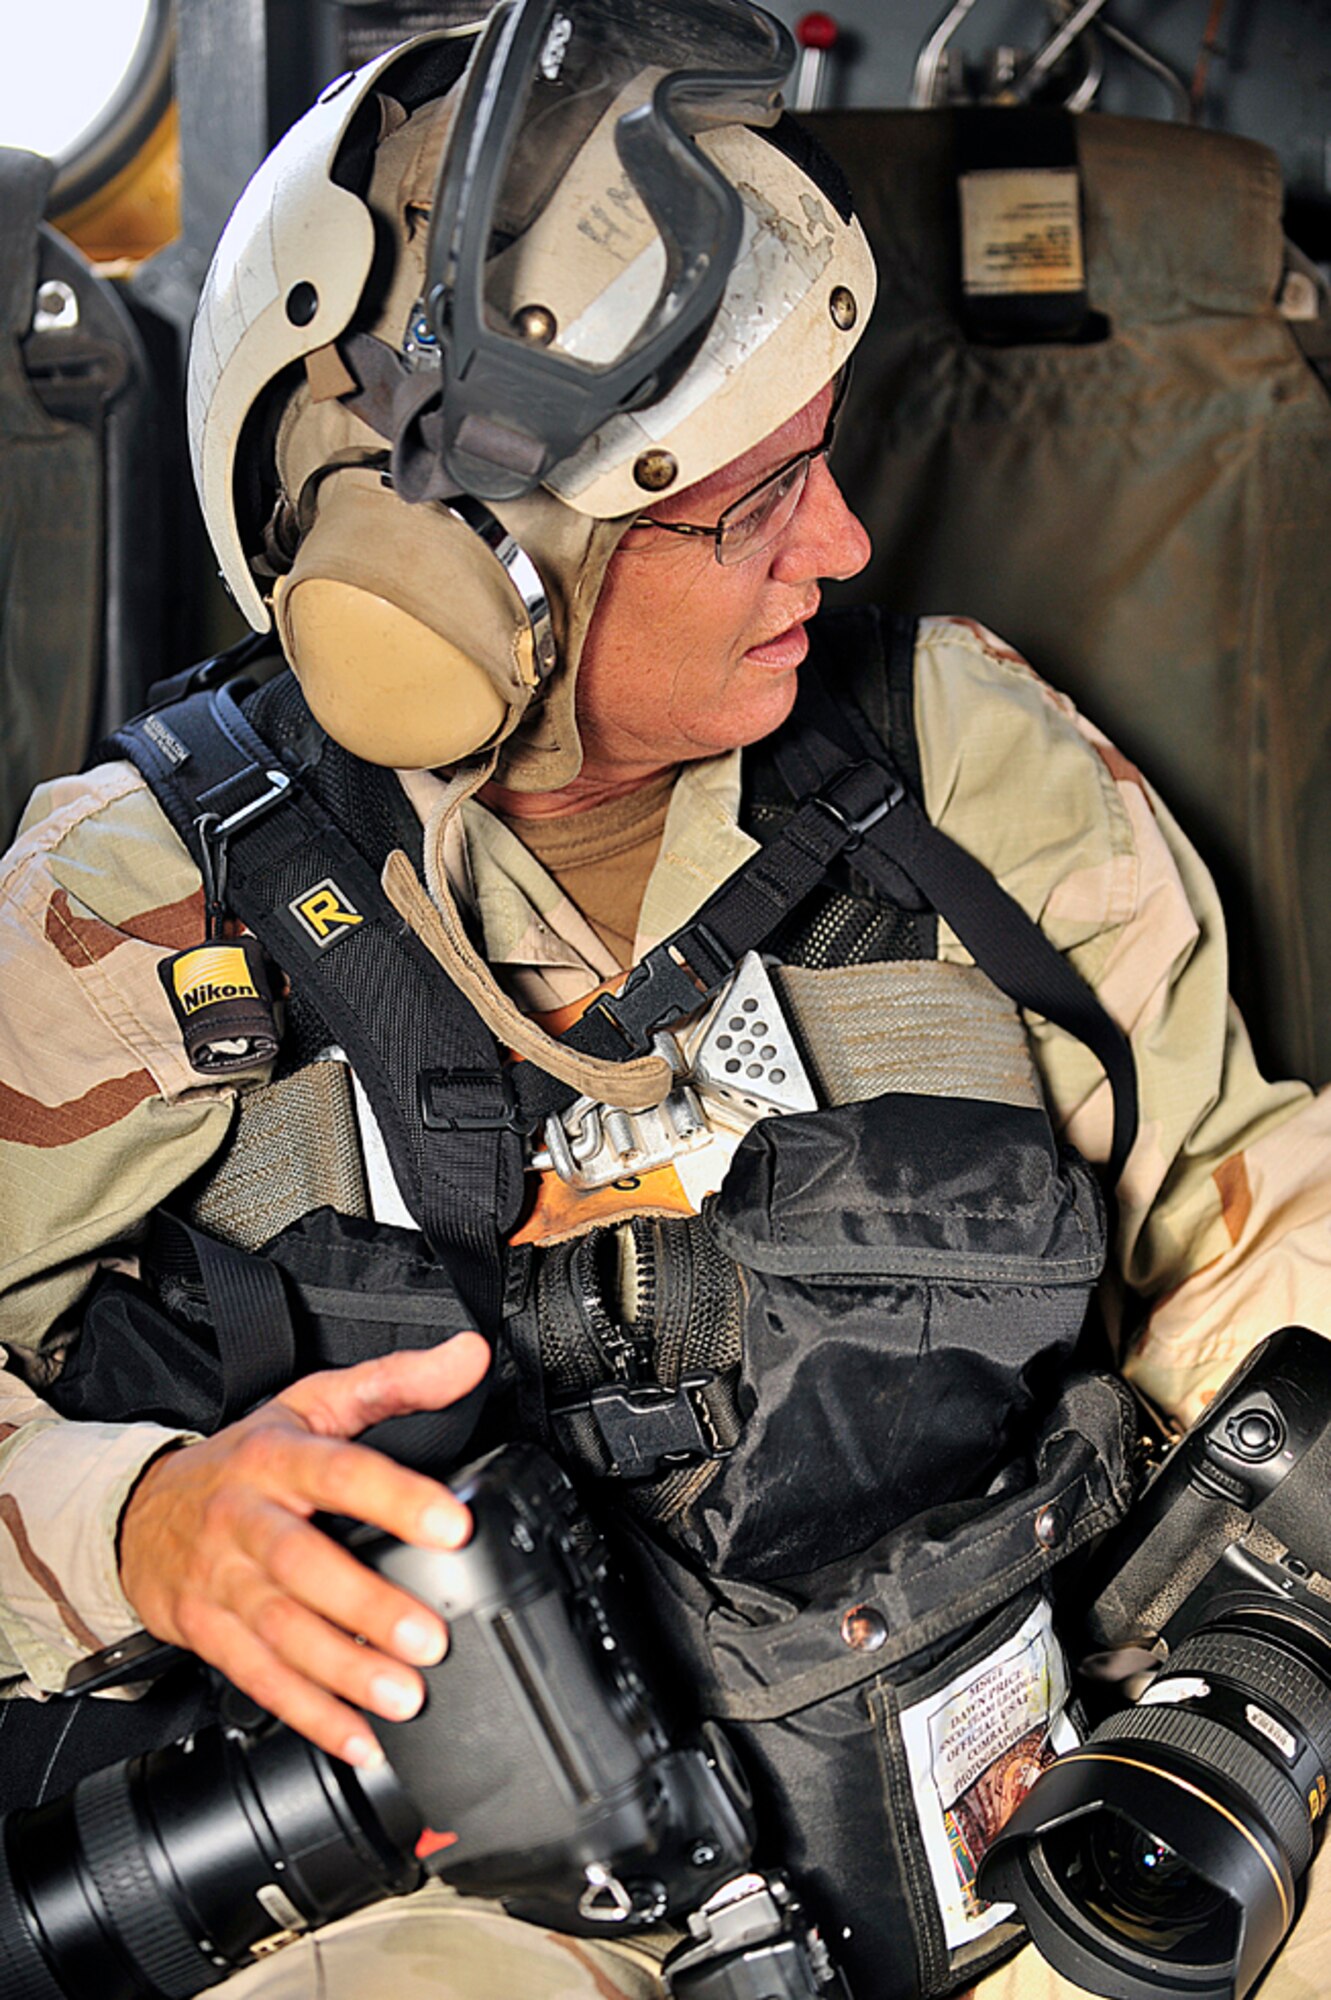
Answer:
(1145, 516)
(50, 531)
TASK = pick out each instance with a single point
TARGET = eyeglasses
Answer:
(756, 520)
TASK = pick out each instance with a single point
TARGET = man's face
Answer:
(686, 657)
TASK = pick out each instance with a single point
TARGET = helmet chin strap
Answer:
(633, 1085)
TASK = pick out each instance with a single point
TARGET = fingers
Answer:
(218, 1551)
(332, 1659)
(278, 1458)
(289, 1692)
(323, 1624)
(341, 1402)
(308, 1569)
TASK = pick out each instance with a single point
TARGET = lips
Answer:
(786, 648)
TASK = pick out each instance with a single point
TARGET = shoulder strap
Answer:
(1003, 940)
(428, 1062)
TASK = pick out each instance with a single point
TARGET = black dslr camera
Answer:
(1166, 1854)
(539, 1771)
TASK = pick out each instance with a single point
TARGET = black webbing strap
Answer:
(1012, 949)
(859, 807)
(451, 1121)
(1003, 940)
(248, 1311)
(677, 975)
(862, 808)
(428, 1062)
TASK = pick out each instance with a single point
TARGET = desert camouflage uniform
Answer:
(1224, 1206)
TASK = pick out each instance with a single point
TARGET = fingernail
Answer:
(448, 1526)
(364, 1752)
(418, 1642)
(391, 1697)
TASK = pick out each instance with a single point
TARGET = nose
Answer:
(824, 538)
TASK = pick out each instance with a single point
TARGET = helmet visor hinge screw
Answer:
(536, 325)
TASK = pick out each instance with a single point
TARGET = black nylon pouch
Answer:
(916, 1272)
(353, 1289)
(809, 1679)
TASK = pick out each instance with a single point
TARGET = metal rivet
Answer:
(656, 470)
(864, 1629)
(843, 308)
(536, 324)
(302, 303)
(1050, 1527)
(56, 307)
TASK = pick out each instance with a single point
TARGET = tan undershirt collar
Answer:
(602, 857)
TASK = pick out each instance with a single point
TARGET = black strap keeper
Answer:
(469, 1100)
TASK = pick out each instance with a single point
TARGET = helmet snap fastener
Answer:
(864, 1629)
(1050, 1527)
(302, 303)
(843, 307)
(655, 470)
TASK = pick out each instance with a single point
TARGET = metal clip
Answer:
(215, 839)
(591, 1146)
(735, 1062)
(607, 1900)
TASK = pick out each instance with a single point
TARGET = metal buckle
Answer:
(591, 1146)
(215, 839)
(279, 783)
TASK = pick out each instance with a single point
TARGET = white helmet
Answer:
(459, 331)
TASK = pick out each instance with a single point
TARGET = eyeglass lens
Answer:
(755, 521)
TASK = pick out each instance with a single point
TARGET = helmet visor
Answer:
(580, 241)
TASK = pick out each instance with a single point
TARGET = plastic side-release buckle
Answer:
(658, 990)
(647, 1428)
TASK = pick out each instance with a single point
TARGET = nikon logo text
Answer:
(203, 978)
(325, 912)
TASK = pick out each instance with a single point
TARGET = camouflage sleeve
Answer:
(1225, 1202)
(62, 1488)
(101, 1118)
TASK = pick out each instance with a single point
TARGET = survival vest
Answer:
(846, 1406)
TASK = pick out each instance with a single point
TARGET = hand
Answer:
(218, 1553)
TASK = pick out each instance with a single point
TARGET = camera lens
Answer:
(1165, 1854)
(1135, 1884)
(162, 1875)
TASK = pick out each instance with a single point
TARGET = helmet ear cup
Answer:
(410, 642)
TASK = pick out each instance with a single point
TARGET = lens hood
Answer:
(1138, 1879)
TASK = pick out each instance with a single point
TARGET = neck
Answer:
(590, 788)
